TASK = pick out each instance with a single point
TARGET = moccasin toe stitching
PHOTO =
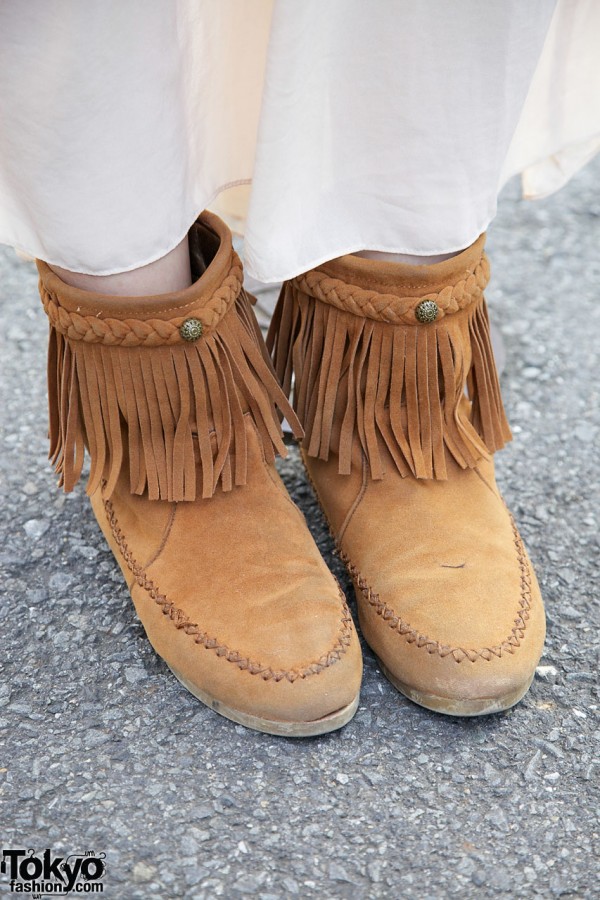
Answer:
(304, 689)
(456, 671)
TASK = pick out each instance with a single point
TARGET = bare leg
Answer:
(169, 273)
(405, 258)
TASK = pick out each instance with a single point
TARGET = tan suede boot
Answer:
(401, 459)
(175, 398)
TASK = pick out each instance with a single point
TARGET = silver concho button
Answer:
(427, 311)
(191, 329)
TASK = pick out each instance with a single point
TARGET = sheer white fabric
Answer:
(362, 126)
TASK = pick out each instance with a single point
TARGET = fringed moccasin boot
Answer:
(396, 387)
(175, 398)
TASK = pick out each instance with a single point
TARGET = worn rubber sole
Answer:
(335, 720)
(478, 706)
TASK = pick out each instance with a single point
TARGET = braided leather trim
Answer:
(144, 332)
(181, 621)
(390, 307)
(509, 645)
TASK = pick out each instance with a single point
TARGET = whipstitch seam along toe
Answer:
(181, 621)
(422, 641)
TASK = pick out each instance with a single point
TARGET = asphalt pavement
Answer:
(102, 750)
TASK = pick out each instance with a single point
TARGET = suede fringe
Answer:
(400, 384)
(166, 408)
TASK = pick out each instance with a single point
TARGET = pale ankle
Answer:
(163, 276)
(405, 258)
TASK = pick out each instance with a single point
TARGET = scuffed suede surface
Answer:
(253, 615)
(450, 604)
(446, 594)
(460, 580)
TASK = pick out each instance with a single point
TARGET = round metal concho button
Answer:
(427, 311)
(191, 329)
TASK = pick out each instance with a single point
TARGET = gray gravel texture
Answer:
(103, 750)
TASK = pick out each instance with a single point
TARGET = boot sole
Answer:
(479, 706)
(332, 722)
